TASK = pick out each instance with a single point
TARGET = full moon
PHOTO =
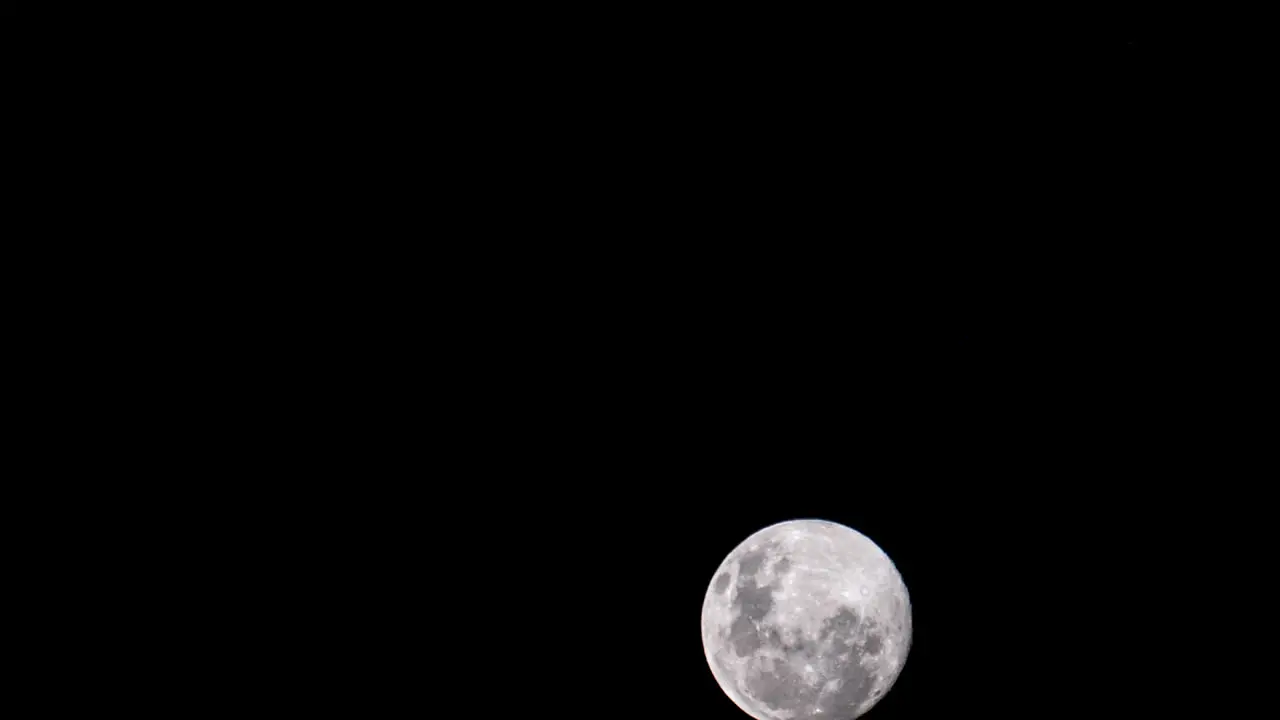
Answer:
(806, 620)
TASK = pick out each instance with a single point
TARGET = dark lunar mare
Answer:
(722, 583)
(871, 644)
(784, 689)
(743, 636)
(782, 566)
(840, 628)
(751, 562)
(859, 636)
(753, 602)
(802, 646)
(855, 684)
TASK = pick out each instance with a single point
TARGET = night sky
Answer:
(506, 327)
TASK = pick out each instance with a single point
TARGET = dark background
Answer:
(492, 338)
(1064, 505)
(1066, 496)
(1055, 563)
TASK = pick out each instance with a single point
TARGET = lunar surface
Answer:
(806, 620)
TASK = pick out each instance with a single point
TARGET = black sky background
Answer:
(1036, 523)
(480, 440)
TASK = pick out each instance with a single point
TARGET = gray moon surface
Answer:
(806, 620)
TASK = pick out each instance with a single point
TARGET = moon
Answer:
(806, 620)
